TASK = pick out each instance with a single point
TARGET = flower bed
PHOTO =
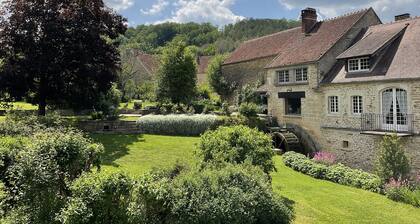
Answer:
(337, 173)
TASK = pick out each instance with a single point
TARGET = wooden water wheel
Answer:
(286, 141)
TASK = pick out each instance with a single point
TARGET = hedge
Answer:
(184, 125)
(338, 173)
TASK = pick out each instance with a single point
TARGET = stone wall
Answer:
(249, 72)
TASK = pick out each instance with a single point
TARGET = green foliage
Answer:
(138, 104)
(177, 74)
(216, 79)
(147, 91)
(22, 123)
(237, 145)
(392, 161)
(404, 194)
(233, 194)
(98, 198)
(249, 109)
(248, 94)
(108, 104)
(337, 173)
(184, 125)
(39, 178)
(149, 38)
(71, 63)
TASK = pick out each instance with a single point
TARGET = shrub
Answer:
(401, 191)
(249, 109)
(41, 173)
(392, 162)
(248, 94)
(97, 198)
(185, 125)
(237, 144)
(234, 194)
(338, 173)
(21, 123)
(137, 104)
(324, 157)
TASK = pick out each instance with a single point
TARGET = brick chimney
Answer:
(402, 16)
(309, 19)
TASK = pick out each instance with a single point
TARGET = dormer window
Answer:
(359, 64)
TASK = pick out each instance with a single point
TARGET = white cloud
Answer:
(157, 8)
(119, 5)
(214, 11)
(386, 9)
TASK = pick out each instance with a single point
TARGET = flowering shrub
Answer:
(324, 157)
(338, 173)
(400, 190)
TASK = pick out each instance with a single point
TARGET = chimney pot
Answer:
(402, 16)
(309, 19)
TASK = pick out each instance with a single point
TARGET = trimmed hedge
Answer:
(338, 173)
(184, 125)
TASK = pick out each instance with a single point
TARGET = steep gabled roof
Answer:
(293, 46)
(375, 39)
(401, 60)
(302, 48)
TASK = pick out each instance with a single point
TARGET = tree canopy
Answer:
(59, 53)
(177, 75)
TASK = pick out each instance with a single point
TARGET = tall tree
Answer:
(177, 75)
(58, 52)
(216, 79)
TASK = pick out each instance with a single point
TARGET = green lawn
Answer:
(23, 106)
(315, 201)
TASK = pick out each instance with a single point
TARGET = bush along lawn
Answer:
(314, 200)
(337, 173)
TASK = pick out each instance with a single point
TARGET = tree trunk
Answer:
(42, 101)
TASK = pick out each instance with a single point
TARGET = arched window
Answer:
(394, 109)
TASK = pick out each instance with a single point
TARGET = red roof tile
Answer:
(293, 46)
(150, 62)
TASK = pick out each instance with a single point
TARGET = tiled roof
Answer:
(261, 47)
(303, 48)
(293, 46)
(401, 59)
(150, 62)
(374, 39)
(203, 63)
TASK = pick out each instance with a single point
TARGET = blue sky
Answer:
(221, 12)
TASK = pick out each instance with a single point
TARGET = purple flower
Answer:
(324, 157)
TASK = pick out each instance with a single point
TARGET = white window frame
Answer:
(333, 105)
(359, 64)
(304, 74)
(356, 105)
(283, 72)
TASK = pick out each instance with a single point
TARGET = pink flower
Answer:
(324, 157)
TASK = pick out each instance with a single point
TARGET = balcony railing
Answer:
(399, 122)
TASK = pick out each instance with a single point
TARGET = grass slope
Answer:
(315, 201)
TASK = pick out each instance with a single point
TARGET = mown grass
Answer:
(21, 106)
(315, 201)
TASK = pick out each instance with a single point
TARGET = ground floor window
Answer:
(293, 106)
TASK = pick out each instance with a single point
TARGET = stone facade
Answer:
(340, 132)
(248, 72)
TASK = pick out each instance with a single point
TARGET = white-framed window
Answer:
(284, 76)
(359, 64)
(301, 74)
(357, 105)
(333, 104)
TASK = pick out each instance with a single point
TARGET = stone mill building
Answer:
(343, 82)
